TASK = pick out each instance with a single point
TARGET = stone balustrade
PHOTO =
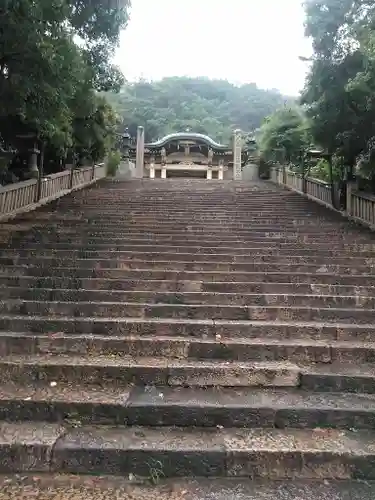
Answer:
(359, 206)
(23, 196)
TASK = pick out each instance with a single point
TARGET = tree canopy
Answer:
(339, 95)
(338, 100)
(54, 57)
(286, 131)
(212, 107)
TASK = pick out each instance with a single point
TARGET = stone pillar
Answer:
(163, 172)
(152, 171)
(237, 155)
(221, 173)
(139, 165)
(209, 174)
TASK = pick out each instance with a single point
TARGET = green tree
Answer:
(51, 52)
(285, 131)
(339, 95)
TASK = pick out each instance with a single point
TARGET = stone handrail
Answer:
(359, 206)
(319, 190)
(312, 188)
(362, 207)
(22, 196)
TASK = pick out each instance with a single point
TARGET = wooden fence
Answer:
(24, 196)
(359, 206)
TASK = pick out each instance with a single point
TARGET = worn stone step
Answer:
(191, 223)
(9, 286)
(208, 232)
(221, 238)
(65, 250)
(187, 311)
(146, 371)
(212, 265)
(335, 377)
(185, 407)
(108, 488)
(89, 229)
(296, 350)
(123, 240)
(155, 296)
(192, 219)
(80, 274)
(73, 213)
(172, 452)
(177, 309)
(111, 258)
(268, 246)
(182, 327)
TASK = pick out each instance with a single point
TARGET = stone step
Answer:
(296, 350)
(185, 407)
(343, 377)
(191, 222)
(108, 488)
(173, 452)
(175, 228)
(297, 219)
(198, 214)
(146, 371)
(144, 310)
(9, 286)
(14, 257)
(208, 229)
(94, 265)
(121, 244)
(122, 239)
(112, 231)
(155, 296)
(64, 250)
(172, 327)
(181, 231)
(79, 274)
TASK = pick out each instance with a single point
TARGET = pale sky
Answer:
(242, 41)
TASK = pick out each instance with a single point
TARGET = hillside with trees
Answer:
(212, 107)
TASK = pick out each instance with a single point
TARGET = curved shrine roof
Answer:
(185, 136)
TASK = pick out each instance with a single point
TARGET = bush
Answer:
(113, 162)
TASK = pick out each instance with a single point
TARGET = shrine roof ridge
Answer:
(183, 136)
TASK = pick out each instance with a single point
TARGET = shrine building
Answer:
(188, 154)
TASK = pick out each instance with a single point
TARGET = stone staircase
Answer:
(187, 328)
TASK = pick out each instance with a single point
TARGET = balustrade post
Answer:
(304, 176)
(349, 198)
(284, 175)
(331, 180)
(71, 177)
(41, 173)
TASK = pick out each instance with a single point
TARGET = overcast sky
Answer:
(239, 40)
